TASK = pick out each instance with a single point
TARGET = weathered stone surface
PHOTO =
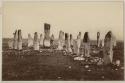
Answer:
(98, 39)
(15, 43)
(10, 44)
(52, 40)
(67, 43)
(85, 46)
(19, 40)
(78, 43)
(71, 40)
(60, 41)
(36, 41)
(41, 40)
(46, 41)
(108, 48)
(75, 47)
(30, 41)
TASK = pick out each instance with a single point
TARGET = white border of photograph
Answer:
(2, 1)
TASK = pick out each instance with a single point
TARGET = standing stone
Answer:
(15, 43)
(98, 36)
(67, 43)
(19, 40)
(78, 41)
(100, 44)
(63, 37)
(36, 41)
(41, 40)
(71, 42)
(30, 41)
(61, 40)
(79, 35)
(75, 47)
(46, 41)
(10, 44)
(114, 40)
(108, 48)
(85, 46)
(52, 40)
(60, 35)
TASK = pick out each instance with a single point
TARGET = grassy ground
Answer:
(33, 65)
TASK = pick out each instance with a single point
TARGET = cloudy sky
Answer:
(70, 17)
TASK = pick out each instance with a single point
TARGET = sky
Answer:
(70, 17)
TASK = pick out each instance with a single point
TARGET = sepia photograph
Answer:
(62, 41)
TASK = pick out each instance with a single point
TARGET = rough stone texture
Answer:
(36, 41)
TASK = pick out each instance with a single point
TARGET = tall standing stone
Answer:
(41, 40)
(78, 42)
(63, 37)
(85, 46)
(108, 48)
(46, 41)
(114, 40)
(30, 41)
(19, 40)
(79, 35)
(101, 44)
(15, 43)
(67, 43)
(60, 40)
(36, 41)
(52, 40)
(79, 39)
(71, 40)
(98, 36)
(75, 47)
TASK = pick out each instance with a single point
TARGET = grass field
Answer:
(29, 65)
